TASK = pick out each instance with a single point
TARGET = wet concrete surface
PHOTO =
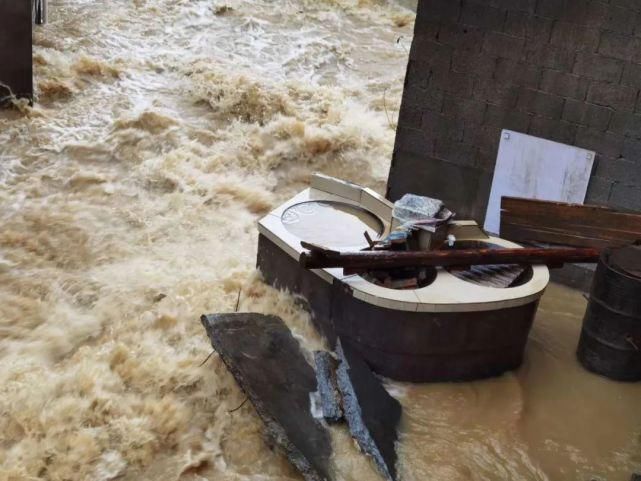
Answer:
(269, 366)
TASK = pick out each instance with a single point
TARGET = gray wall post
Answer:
(16, 71)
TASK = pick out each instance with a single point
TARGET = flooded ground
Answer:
(129, 194)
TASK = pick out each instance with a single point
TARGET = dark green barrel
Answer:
(610, 342)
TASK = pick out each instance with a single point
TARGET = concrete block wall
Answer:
(564, 70)
(15, 49)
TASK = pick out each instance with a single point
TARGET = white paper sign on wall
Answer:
(535, 168)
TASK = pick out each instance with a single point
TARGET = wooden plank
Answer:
(571, 228)
(372, 414)
(521, 233)
(530, 220)
(562, 213)
(15, 49)
(367, 260)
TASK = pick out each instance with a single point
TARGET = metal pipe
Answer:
(39, 11)
(366, 260)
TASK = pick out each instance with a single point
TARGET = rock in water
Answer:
(328, 386)
(269, 366)
(372, 414)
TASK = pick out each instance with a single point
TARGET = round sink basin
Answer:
(332, 224)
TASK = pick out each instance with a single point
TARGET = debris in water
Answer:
(223, 10)
(372, 414)
(270, 368)
(159, 297)
(330, 396)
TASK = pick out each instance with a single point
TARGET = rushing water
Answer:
(129, 195)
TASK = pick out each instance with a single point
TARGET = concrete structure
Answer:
(16, 75)
(564, 70)
(448, 329)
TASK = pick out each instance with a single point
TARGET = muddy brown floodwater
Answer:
(129, 194)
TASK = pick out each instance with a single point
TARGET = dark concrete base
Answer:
(283, 272)
(372, 414)
(403, 345)
(330, 396)
(433, 347)
(269, 366)
(16, 77)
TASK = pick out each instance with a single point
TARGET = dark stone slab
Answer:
(636, 477)
(269, 366)
(330, 396)
(15, 49)
(372, 414)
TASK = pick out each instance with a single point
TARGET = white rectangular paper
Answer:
(535, 168)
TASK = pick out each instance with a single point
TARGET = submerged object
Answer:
(372, 414)
(39, 11)
(352, 261)
(440, 327)
(610, 342)
(330, 397)
(269, 366)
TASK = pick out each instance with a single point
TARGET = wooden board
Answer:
(529, 220)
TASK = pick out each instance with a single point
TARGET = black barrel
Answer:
(610, 342)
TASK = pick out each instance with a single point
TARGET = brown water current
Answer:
(129, 194)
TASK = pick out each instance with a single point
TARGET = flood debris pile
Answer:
(270, 367)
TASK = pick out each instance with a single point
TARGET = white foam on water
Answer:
(129, 197)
